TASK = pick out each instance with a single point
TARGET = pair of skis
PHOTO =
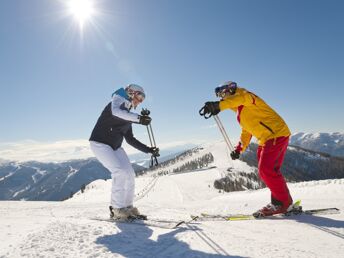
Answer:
(297, 210)
(167, 224)
(171, 224)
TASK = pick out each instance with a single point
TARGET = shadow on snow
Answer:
(134, 242)
(318, 222)
(322, 223)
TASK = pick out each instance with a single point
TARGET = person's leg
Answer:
(112, 160)
(269, 164)
(129, 185)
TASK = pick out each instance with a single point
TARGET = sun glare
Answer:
(82, 10)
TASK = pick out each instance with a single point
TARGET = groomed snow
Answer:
(64, 229)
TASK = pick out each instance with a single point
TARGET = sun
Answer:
(82, 10)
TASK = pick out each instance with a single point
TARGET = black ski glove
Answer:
(235, 154)
(155, 151)
(145, 120)
(212, 107)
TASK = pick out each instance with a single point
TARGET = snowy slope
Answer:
(64, 229)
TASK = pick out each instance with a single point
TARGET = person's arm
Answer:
(130, 139)
(119, 109)
(245, 139)
(236, 100)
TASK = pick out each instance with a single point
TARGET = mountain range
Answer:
(58, 181)
(49, 181)
(330, 143)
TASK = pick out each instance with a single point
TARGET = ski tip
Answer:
(179, 223)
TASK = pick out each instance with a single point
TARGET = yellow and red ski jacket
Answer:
(255, 117)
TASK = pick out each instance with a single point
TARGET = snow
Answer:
(64, 229)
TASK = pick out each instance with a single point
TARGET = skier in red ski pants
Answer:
(258, 119)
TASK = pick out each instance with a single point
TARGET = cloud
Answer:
(45, 151)
(63, 150)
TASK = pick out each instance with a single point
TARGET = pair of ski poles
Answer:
(154, 159)
(220, 126)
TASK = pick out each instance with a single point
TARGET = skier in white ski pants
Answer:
(114, 125)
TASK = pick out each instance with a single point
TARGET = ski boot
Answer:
(120, 214)
(134, 213)
(273, 209)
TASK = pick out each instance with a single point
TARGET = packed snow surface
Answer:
(64, 229)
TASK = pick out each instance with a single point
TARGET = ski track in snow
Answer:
(63, 229)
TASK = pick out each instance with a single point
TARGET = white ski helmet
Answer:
(133, 90)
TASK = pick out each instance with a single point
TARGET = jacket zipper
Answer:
(267, 127)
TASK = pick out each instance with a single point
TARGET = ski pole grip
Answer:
(145, 112)
(203, 113)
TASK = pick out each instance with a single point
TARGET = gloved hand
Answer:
(235, 154)
(145, 120)
(155, 151)
(212, 107)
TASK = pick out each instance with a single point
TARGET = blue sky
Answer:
(55, 80)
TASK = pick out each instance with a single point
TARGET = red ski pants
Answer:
(270, 158)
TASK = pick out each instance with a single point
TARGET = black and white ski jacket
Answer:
(115, 123)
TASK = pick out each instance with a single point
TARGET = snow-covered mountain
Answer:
(49, 181)
(331, 143)
(234, 175)
(303, 165)
(58, 181)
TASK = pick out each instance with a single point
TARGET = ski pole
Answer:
(152, 142)
(146, 112)
(223, 132)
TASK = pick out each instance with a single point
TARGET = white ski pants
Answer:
(122, 173)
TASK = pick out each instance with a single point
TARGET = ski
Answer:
(167, 224)
(234, 217)
(322, 211)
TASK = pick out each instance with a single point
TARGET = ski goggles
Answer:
(221, 91)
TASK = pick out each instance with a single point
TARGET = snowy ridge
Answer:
(221, 160)
(301, 164)
(331, 143)
(49, 181)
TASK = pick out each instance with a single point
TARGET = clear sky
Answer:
(55, 79)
